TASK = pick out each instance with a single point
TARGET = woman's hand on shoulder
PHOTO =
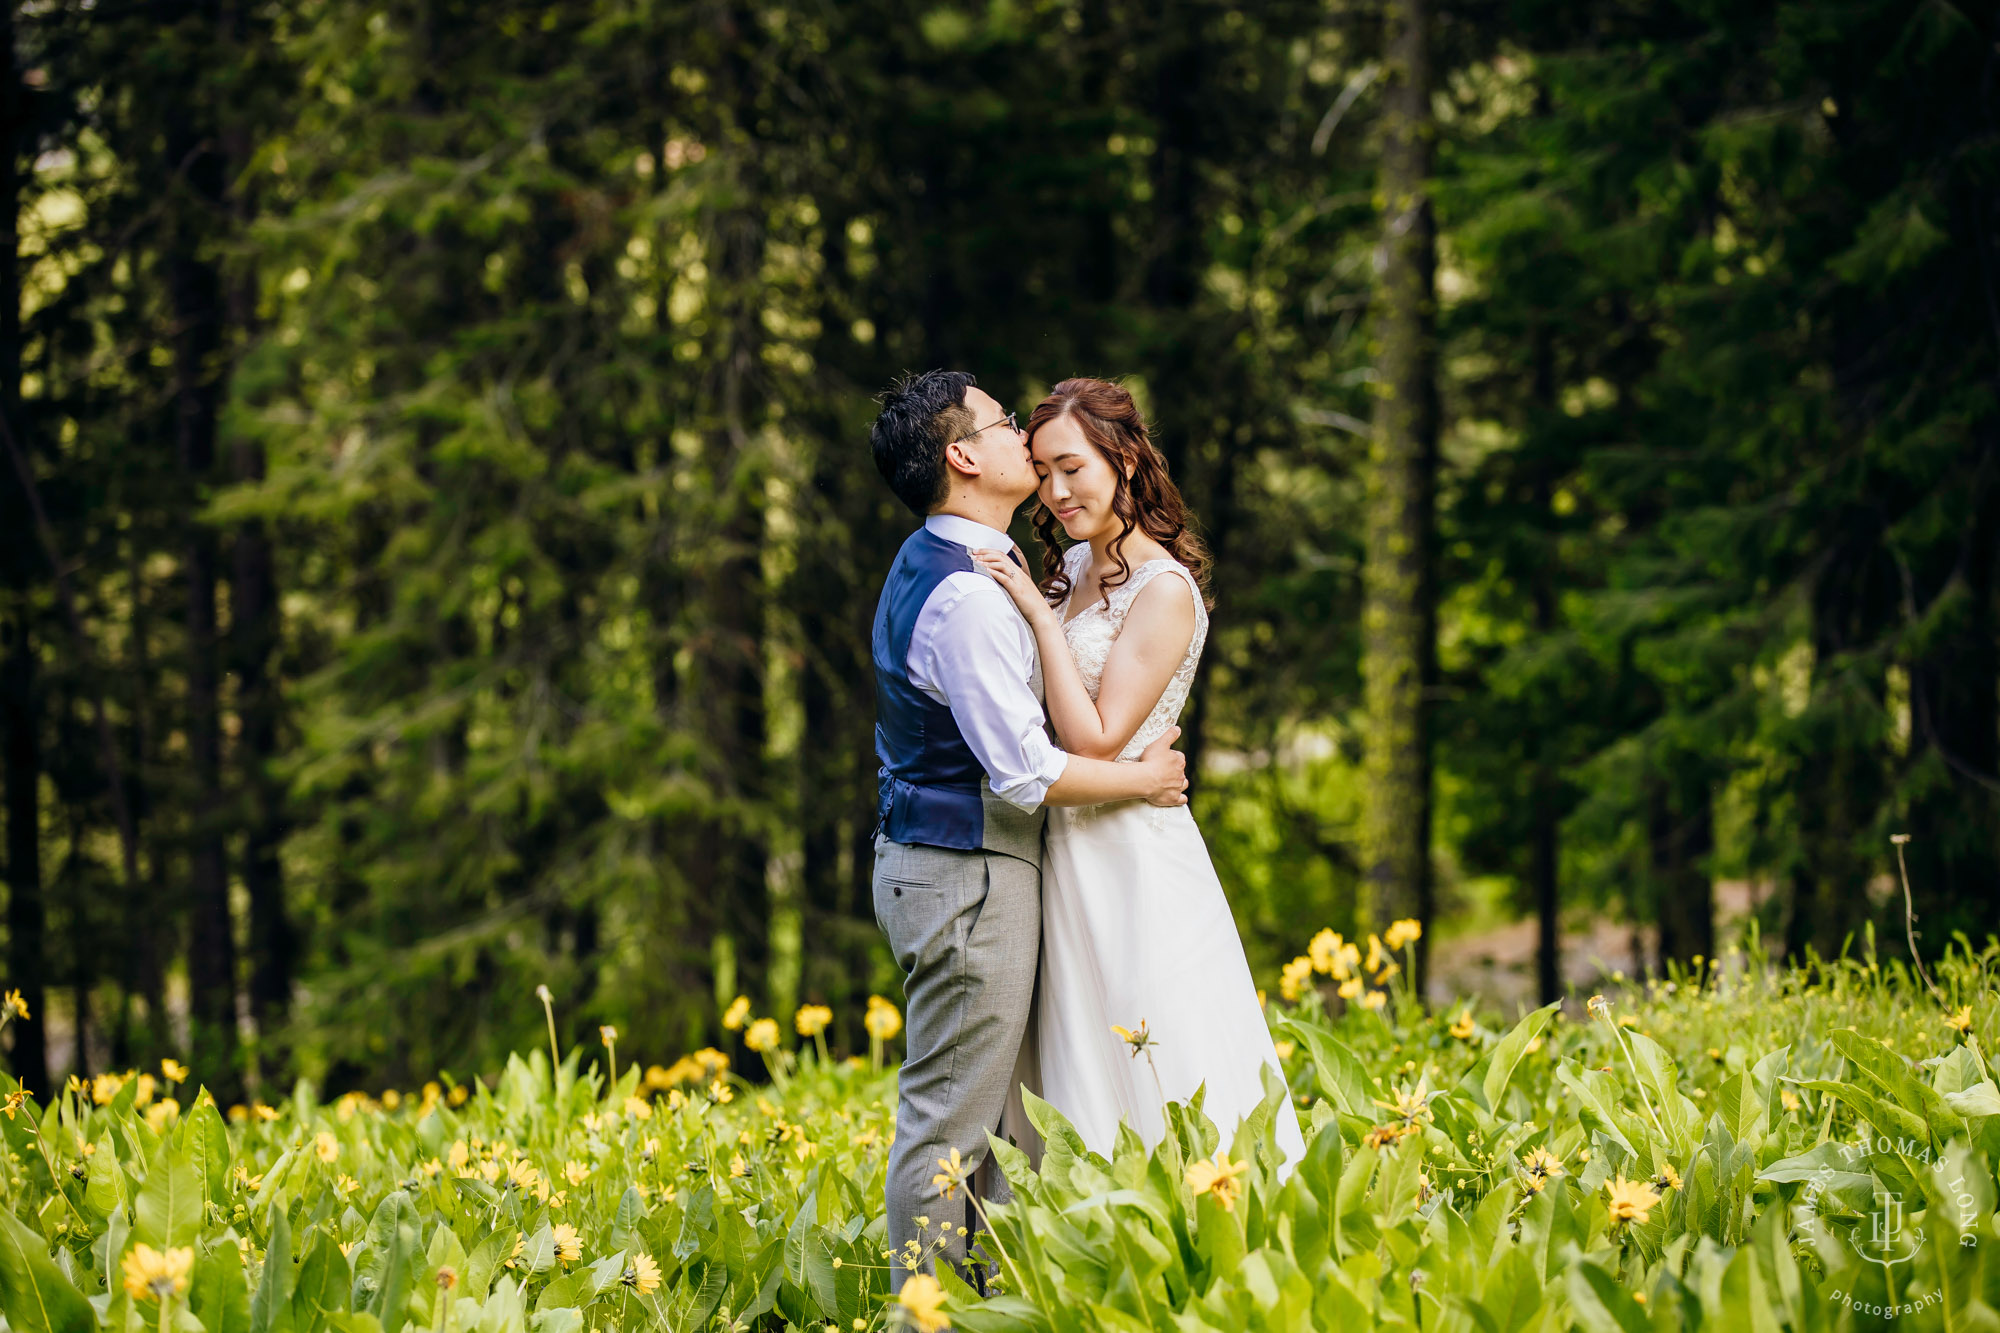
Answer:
(1017, 584)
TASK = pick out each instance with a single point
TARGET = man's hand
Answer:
(1167, 769)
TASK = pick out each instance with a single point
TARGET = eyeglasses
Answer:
(1007, 421)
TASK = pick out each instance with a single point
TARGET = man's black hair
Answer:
(921, 414)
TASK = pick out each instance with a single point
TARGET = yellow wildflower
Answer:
(1384, 1136)
(1541, 1166)
(1346, 962)
(1631, 1201)
(104, 1087)
(1666, 1178)
(1351, 988)
(326, 1147)
(922, 1300)
(719, 1092)
(523, 1174)
(710, 1061)
(1284, 1049)
(1137, 1038)
(1374, 999)
(638, 1108)
(643, 1275)
(575, 1172)
(737, 1166)
(950, 1176)
(347, 1184)
(811, 1019)
(1292, 979)
(263, 1112)
(569, 1245)
(1410, 1107)
(1463, 1028)
(737, 1014)
(14, 1005)
(1407, 931)
(1217, 1178)
(173, 1070)
(1324, 950)
(1376, 954)
(154, 1275)
(763, 1036)
(883, 1020)
(1960, 1021)
(1788, 1099)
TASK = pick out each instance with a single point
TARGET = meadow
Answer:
(1742, 1146)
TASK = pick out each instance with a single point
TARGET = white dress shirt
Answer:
(972, 651)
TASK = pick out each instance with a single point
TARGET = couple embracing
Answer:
(1039, 893)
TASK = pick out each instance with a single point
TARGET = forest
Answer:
(438, 542)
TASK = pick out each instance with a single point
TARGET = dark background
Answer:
(451, 540)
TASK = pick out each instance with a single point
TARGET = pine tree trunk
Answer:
(1681, 830)
(196, 166)
(1398, 626)
(254, 635)
(26, 943)
(253, 630)
(1545, 849)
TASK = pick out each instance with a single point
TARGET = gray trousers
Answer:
(966, 928)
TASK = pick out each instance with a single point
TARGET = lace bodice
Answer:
(1094, 629)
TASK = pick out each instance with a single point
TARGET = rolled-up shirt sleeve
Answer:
(977, 658)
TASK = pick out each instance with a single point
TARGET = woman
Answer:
(1135, 928)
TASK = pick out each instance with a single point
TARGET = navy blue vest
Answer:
(933, 790)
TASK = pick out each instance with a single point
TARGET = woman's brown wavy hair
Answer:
(1146, 497)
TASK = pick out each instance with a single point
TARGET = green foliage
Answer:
(1716, 1151)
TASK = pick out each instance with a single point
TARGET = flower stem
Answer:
(555, 1055)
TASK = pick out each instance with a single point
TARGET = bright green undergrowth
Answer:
(1741, 1147)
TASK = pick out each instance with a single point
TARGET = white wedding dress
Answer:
(1135, 928)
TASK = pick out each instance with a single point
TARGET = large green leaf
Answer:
(1885, 1116)
(1508, 1052)
(220, 1296)
(486, 1260)
(1342, 1076)
(171, 1202)
(1597, 1094)
(36, 1297)
(206, 1141)
(1891, 1073)
(271, 1305)
(323, 1288)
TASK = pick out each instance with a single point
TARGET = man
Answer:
(967, 768)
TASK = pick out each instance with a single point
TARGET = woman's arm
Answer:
(1158, 628)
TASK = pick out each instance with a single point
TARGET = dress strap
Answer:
(1123, 596)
